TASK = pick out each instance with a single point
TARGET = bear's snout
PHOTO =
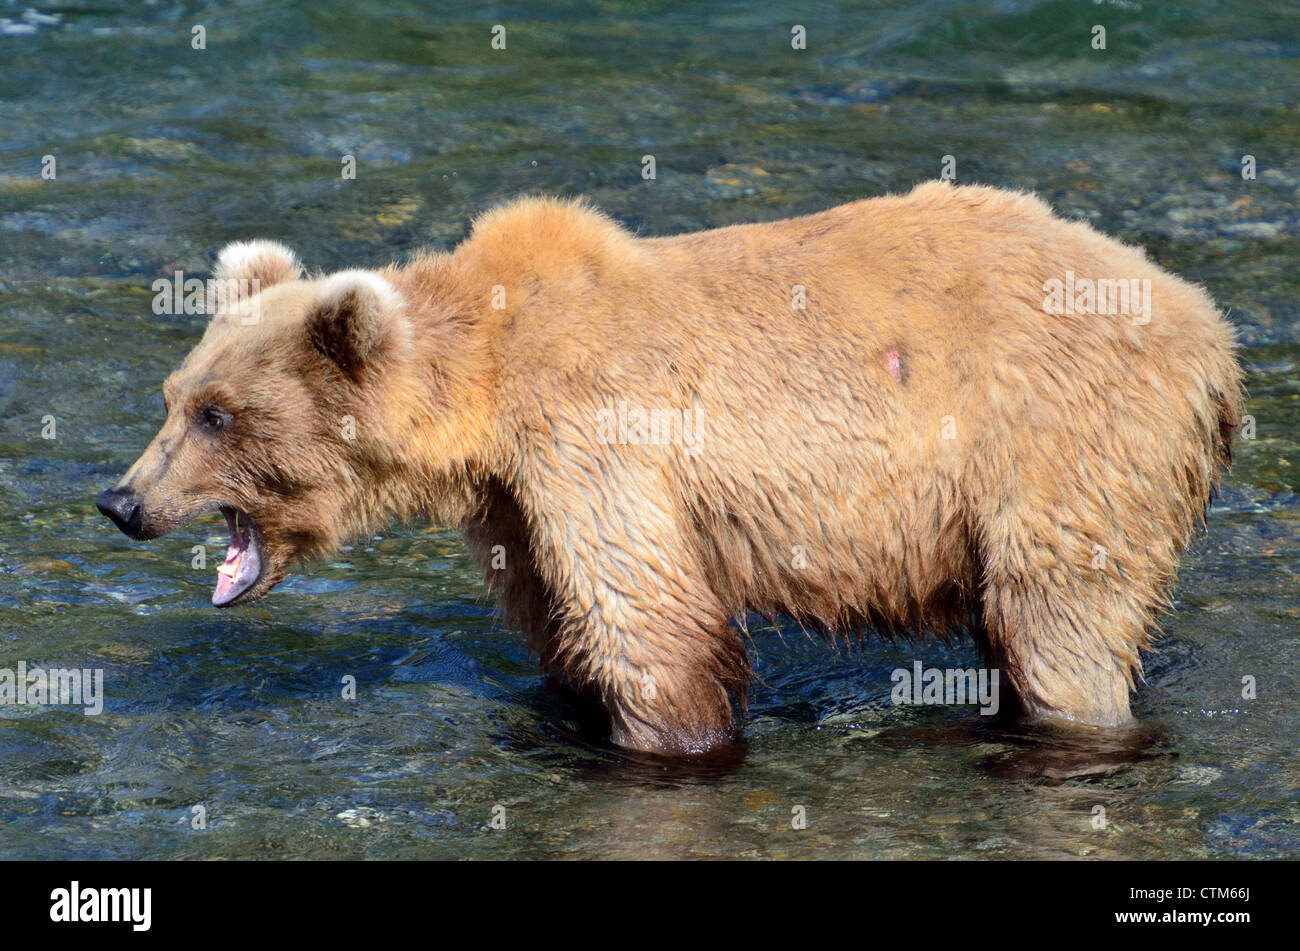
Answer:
(124, 508)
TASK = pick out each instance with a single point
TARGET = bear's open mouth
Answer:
(243, 564)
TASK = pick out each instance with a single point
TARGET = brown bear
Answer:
(944, 411)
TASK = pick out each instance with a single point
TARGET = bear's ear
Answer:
(267, 262)
(356, 319)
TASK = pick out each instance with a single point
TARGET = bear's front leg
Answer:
(496, 533)
(659, 654)
(639, 626)
(675, 698)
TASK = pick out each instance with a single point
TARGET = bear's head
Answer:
(282, 417)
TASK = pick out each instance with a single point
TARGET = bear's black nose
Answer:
(123, 507)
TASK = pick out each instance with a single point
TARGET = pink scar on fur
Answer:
(894, 364)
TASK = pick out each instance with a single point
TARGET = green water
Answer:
(164, 153)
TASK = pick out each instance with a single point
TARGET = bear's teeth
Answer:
(230, 568)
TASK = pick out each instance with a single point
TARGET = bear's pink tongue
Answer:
(243, 561)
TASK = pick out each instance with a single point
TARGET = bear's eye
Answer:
(214, 419)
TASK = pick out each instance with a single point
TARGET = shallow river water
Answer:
(165, 152)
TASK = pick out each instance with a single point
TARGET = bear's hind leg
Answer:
(1067, 636)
